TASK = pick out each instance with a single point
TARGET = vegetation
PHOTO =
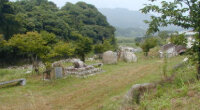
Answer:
(42, 46)
(85, 93)
(37, 30)
(147, 44)
(52, 30)
(183, 13)
(84, 46)
(179, 94)
(178, 39)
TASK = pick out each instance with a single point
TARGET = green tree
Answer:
(64, 50)
(83, 47)
(100, 48)
(88, 21)
(9, 22)
(31, 44)
(183, 13)
(147, 44)
(178, 39)
(41, 46)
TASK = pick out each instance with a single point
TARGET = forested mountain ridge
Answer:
(70, 31)
(37, 15)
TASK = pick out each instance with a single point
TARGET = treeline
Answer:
(130, 32)
(79, 27)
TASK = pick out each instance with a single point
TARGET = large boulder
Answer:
(109, 57)
(129, 57)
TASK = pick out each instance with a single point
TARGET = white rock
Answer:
(28, 72)
(185, 59)
(109, 57)
(129, 57)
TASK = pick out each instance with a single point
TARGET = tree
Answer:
(31, 44)
(162, 36)
(100, 48)
(178, 39)
(41, 46)
(9, 22)
(183, 13)
(147, 44)
(64, 50)
(87, 20)
(83, 47)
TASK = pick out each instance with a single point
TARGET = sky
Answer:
(128, 4)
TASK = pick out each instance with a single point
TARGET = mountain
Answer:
(130, 23)
(125, 18)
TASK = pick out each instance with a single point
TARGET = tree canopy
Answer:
(38, 15)
(40, 28)
(183, 13)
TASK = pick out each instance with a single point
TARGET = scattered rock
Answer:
(136, 90)
(129, 57)
(185, 59)
(109, 57)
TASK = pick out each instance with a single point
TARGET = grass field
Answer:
(100, 92)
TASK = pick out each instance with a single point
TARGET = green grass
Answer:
(182, 94)
(100, 92)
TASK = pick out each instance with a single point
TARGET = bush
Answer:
(100, 48)
(148, 44)
(154, 52)
(178, 39)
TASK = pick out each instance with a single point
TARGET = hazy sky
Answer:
(129, 4)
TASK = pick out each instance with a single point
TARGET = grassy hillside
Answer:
(100, 92)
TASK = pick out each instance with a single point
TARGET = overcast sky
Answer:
(129, 4)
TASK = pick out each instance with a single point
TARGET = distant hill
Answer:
(130, 23)
(130, 32)
(125, 18)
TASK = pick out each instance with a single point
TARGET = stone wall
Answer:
(84, 71)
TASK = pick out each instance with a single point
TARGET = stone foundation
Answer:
(84, 71)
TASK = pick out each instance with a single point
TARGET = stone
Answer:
(79, 64)
(58, 72)
(22, 82)
(129, 57)
(136, 90)
(109, 57)
(27, 72)
(185, 59)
